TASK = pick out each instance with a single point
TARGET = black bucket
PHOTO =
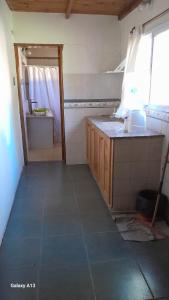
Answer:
(145, 204)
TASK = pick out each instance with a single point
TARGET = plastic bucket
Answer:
(145, 204)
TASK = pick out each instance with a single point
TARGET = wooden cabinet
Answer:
(123, 166)
(99, 152)
(88, 150)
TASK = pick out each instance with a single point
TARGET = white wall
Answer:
(137, 18)
(11, 157)
(75, 131)
(91, 46)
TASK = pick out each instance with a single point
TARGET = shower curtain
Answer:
(44, 88)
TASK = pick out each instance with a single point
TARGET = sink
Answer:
(110, 118)
(113, 125)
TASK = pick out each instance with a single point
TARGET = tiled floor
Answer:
(61, 237)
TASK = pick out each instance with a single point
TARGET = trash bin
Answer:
(145, 204)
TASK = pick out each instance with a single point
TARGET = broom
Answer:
(160, 188)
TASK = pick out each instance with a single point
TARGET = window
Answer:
(159, 93)
(142, 69)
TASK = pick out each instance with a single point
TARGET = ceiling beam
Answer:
(69, 8)
(129, 8)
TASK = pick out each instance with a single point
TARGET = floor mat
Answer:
(132, 228)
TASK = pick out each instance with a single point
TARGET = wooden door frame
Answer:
(60, 64)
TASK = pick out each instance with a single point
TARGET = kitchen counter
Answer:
(115, 129)
(49, 114)
(123, 164)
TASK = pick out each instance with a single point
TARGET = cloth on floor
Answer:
(133, 229)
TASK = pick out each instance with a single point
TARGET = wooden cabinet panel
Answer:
(107, 168)
(88, 144)
(99, 159)
(96, 154)
(104, 166)
(92, 147)
(101, 162)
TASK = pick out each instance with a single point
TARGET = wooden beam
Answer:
(69, 8)
(129, 8)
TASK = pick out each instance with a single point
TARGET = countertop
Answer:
(49, 114)
(115, 129)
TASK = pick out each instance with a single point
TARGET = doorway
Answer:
(41, 101)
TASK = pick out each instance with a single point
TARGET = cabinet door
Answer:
(88, 145)
(101, 161)
(99, 158)
(107, 161)
(104, 166)
(96, 154)
(92, 148)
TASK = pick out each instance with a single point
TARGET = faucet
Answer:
(30, 106)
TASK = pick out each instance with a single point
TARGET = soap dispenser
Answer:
(126, 124)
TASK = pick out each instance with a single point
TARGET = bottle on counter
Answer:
(126, 124)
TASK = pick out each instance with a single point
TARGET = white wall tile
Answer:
(124, 203)
(122, 170)
(75, 131)
(121, 187)
(155, 124)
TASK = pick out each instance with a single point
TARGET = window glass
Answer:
(160, 68)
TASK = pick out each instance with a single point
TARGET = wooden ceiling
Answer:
(118, 8)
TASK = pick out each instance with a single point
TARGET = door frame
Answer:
(61, 86)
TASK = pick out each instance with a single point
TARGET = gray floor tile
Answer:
(43, 168)
(81, 174)
(63, 251)
(91, 204)
(28, 205)
(153, 259)
(60, 189)
(98, 223)
(105, 246)
(57, 224)
(119, 280)
(35, 193)
(66, 283)
(24, 226)
(87, 190)
(60, 204)
(22, 276)
(19, 253)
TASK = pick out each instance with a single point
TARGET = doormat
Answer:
(133, 228)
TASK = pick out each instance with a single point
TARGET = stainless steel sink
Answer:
(110, 118)
(109, 125)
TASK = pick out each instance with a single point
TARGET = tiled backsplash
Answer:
(158, 120)
(160, 113)
(84, 103)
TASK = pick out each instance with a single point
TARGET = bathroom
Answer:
(40, 101)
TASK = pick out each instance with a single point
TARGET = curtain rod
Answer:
(156, 17)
